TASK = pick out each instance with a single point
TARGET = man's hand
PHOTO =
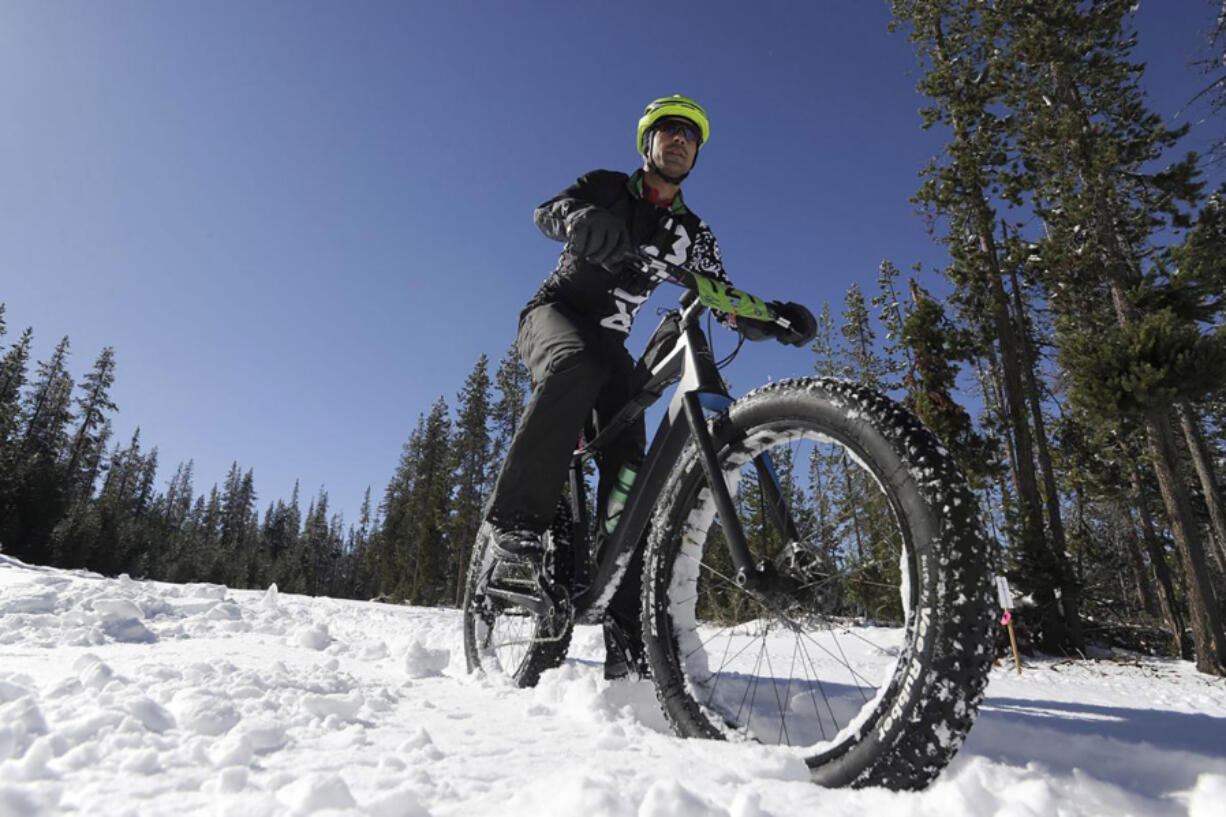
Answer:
(598, 235)
(802, 329)
(803, 325)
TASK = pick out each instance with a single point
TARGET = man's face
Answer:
(674, 145)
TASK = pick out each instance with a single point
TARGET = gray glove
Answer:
(804, 325)
(802, 331)
(598, 235)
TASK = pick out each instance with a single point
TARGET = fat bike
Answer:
(815, 570)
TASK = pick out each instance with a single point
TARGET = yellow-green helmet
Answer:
(675, 105)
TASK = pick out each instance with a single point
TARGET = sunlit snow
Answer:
(128, 697)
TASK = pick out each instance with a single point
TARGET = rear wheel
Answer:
(505, 639)
(868, 648)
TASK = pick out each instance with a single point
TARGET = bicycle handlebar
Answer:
(713, 293)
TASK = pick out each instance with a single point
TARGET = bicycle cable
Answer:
(740, 341)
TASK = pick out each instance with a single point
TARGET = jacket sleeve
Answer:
(588, 191)
(706, 258)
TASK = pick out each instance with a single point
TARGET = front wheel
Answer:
(868, 645)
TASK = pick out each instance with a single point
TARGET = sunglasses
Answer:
(688, 130)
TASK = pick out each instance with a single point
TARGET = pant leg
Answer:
(626, 449)
(568, 369)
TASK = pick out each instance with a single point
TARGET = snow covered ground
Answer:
(123, 697)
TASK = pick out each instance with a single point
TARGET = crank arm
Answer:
(534, 605)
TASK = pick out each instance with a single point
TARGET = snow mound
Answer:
(422, 662)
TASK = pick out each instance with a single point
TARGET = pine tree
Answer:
(427, 581)
(123, 498)
(90, 439)
(47, 408)
(863, 363)
(1197, 283)
(413, 547)
(935, 346)
(281, 538)
(179, 496)
(1089, 138)
(315, 547)
(966, 75)
(470, 447)
(176, 508)
(12, 379)
(38, 496)
(892, 314)
(1213, 65)
(825, 345)
(359, 550)
(514, 387)
(391, 558)
(210, 565)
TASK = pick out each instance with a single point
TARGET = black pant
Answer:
(576, 367)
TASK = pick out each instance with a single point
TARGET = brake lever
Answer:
(658, 268)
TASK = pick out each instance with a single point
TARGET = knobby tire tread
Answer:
(950, 660)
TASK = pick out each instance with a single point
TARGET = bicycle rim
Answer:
(807, 667)
(506, 634)
(506, 640)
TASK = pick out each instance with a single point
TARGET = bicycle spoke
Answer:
(709, 639)
(716, 676)
(775, 686)
(749, 642)
(829, 486)
(748, 678)
(872, 644)
(753, 687)
(851, 670)
(788, 689)
(822, 689)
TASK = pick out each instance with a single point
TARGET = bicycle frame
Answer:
(690, 364)
(699, 389)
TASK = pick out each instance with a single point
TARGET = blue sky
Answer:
(300, 223)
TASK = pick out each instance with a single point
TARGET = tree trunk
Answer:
(1202, 606)
(1034, 547)
(1203, 463)
(1070, 592)
(1132, 549)
(1034, 551)
(1157, 562)
(989, 383)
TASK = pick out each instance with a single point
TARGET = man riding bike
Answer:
(572, 338)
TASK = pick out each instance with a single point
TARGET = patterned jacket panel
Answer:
(612, 297)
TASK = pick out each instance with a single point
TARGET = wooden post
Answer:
(1017, 658)
(1006, 603)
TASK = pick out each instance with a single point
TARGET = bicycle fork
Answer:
(748, 574)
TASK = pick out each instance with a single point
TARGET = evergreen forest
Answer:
(1071, 354)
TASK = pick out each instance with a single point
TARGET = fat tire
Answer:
(540, 655)
(932, 697)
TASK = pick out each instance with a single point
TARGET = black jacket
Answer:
(611, 298)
